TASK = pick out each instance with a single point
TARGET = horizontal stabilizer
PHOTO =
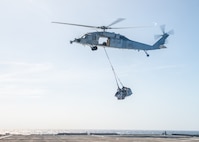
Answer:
(162, 46)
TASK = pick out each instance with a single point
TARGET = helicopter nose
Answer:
(77, 40)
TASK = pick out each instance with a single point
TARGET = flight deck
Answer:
(96, 138)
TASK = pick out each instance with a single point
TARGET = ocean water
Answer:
(53, 131)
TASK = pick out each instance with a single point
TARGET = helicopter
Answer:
(111, 39)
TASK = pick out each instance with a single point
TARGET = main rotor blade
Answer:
(134, 27)
(116, 21)
(75, 24)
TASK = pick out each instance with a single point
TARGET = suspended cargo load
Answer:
(122, 93)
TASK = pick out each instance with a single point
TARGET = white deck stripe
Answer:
(3, 137)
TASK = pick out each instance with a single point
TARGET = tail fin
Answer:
(160, 43)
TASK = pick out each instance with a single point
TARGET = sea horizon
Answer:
(130, 132)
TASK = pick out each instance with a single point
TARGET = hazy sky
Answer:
(47, 83)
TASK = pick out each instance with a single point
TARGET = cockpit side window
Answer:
(84, 36)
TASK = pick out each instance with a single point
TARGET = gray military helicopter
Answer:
(111, 39)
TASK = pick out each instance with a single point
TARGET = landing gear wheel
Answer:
(94, 48)
(146, 53)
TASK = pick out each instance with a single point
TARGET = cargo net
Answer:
(122, 92)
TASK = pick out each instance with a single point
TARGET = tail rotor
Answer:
(162, 27)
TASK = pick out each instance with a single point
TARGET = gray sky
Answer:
(47, 83)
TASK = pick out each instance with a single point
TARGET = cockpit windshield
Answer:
(84, 36)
